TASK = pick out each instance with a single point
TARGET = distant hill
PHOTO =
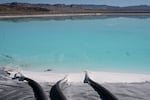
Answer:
(106, 7)
(27, 8)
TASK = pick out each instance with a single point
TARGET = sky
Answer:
(98, 2)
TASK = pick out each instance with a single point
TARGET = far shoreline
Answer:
(48, 15)
(70, 14)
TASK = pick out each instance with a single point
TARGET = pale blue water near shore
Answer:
(112, 44)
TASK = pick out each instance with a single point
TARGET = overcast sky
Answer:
(107, 2)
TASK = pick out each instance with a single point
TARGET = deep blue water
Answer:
(111, 44)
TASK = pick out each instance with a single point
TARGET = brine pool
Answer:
(120, 44)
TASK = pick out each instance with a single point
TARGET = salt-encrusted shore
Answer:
(100, 77)
(72, 14)
(49, 15)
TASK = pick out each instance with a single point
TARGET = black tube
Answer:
(56, 93)
(103, 92)
(37, 89)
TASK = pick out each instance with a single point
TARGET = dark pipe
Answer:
(103, 92)
(56, 93)
(37, 89)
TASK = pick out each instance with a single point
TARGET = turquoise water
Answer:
(102, 44)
